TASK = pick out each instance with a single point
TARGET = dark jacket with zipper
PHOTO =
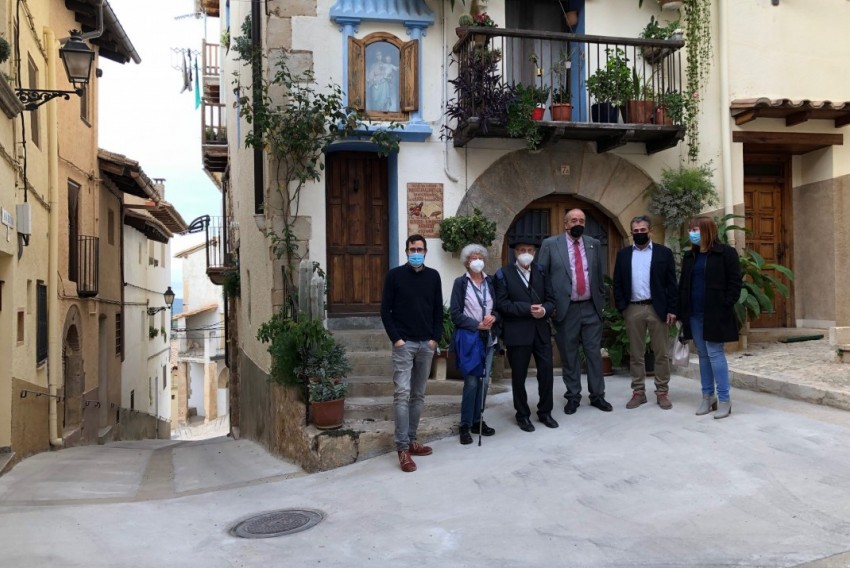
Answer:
(722, 290)
(458, 303)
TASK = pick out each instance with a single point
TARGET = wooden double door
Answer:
(357, 232)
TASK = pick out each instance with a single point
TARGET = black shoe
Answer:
(602, 404)
(571, 407)
(547, 420)
(485, 430)
(525, 424)
(465, 436)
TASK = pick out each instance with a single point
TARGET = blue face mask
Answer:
(416, 259)
(694, 237)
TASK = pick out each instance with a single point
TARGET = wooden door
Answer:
(764, 212)
(357, 232)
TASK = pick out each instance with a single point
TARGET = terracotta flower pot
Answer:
(661, 117)
(607, 367)
(328, 415)
(537, 113)
(562, 112)
(571, 18)
(640, 112)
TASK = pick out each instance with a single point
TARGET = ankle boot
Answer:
(709, 403)
(724, 409)
(465, 436)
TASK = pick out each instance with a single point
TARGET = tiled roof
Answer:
(793, 111)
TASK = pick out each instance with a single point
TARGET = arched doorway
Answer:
(72, 372)
(610, 189)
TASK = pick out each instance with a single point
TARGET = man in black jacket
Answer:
(645, 292)
(412, 314)
(524, 300)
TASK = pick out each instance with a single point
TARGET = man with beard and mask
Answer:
(525, 302)
(645, 292)
(412, 314)
(573, 262)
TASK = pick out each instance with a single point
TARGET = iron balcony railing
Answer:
(219, 232)
(88, 266)
(639, 79)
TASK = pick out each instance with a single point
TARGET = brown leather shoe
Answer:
(417, 449)
(663, 401)
(407, 464)
(638, 398)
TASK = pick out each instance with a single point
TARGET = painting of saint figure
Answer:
(382, 78)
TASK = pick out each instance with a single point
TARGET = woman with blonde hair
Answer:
(709, 287)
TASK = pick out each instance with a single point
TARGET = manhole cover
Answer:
(277, 523)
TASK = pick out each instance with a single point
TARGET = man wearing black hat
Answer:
(525, 301)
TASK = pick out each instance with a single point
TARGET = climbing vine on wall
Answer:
(698, 37)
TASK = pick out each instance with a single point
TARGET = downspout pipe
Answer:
(257, 95)
(54, 353)
(725, 120)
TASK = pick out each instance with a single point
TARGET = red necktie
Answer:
(581, 285)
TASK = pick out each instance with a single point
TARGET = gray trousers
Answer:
(411, 367)
(582, 326)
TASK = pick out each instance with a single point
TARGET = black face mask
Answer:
(640, 239)
(576, 231)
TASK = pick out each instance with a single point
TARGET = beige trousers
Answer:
(641, 320)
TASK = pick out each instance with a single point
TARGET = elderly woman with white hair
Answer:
(475, 319)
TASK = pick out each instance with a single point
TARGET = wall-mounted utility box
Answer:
(24, 218)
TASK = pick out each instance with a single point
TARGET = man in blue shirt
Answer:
(645, 292)
(412, 314)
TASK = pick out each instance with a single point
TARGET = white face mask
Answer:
(476, 265)
(525, 259)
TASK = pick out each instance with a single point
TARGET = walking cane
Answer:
(482, 386)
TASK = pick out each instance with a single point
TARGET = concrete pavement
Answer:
(769, 486)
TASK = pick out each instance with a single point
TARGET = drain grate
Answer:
(277, 523)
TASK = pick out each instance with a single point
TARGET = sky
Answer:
(144, 116)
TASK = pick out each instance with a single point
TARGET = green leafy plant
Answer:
(295, 122)
(302, 352)
(614, 336)
(5, 49)
(654, 29)
(673, 103)
(760, 287)
(698, 37)
(232, 285)
(520, 123)
(152, 332)
(465, 21)
(682, 194)
(612, 83)
(458, 231)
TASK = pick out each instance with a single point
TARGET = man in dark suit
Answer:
(524, 300)
(573, 262)
(645, 292)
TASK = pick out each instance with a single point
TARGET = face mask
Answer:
(476, 265)
(694, 237)
(640, 239)
(416, 259)
(576, 231)
(525, 258)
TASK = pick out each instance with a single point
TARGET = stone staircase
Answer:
(369, 404)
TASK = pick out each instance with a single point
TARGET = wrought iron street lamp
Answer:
(77, 57)
(168, 296)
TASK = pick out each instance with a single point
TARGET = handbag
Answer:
(680, 351)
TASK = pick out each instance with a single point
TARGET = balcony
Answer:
(213, 129)
(619, 90)
(86, 258)
(219, 233)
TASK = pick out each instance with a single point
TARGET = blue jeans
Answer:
(713, 369)
(475, 392)
(411, 367)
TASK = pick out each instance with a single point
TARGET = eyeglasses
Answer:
(415, 250)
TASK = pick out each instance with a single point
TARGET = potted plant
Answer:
(562, 107)
(5, 49)
(305, 355)
(524, 111)
(652, 54)
(670, 109)
(458, 231)
(440, 366)
(640, 109)
(610, 86)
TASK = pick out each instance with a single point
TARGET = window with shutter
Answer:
(382, 76)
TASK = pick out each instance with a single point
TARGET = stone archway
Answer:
(73, 375)
(611, 183)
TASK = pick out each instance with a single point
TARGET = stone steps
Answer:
(360, 386)
(381, 407)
